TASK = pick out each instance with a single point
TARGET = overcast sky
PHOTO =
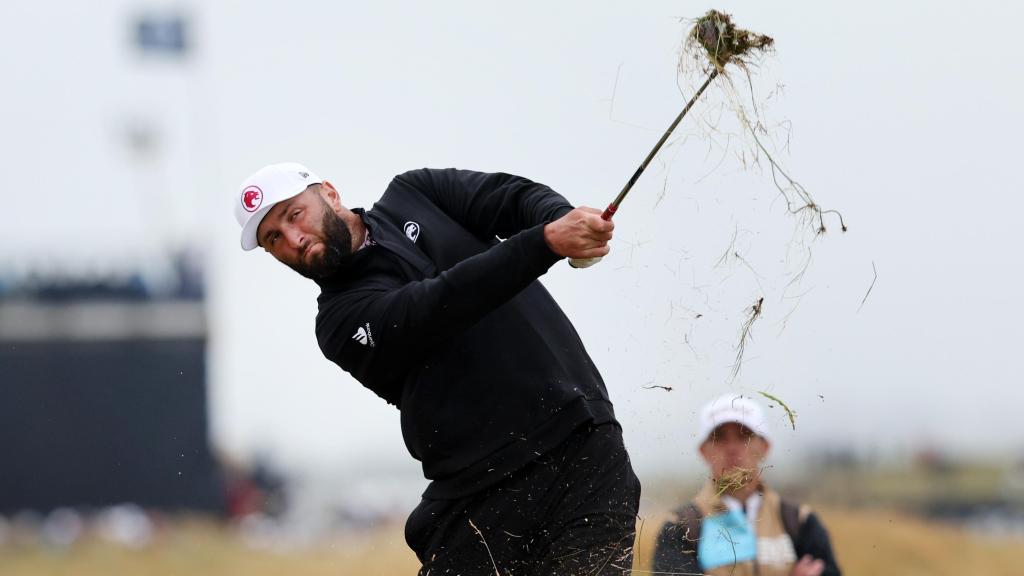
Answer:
(903, 116)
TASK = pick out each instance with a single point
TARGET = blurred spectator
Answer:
(125, 524)
(256, 490)
(736, 525)
(62, 528)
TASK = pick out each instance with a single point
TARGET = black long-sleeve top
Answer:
(449, 324)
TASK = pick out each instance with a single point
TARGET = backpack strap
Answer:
(793, 516)
(689, 521)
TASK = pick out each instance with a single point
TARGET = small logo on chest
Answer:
(412, 230)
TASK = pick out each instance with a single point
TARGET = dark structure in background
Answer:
(103, 397)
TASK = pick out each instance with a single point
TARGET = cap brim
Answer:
(249, 240)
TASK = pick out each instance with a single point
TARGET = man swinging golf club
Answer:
(431, 300)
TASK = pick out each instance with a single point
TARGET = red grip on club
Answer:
(609, 212)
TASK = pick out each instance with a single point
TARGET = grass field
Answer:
(866, 542)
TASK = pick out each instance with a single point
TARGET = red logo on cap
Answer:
(252, 197)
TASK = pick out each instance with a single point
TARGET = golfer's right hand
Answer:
(579, 234)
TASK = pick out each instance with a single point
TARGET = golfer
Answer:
(736, 525)
(431, 300)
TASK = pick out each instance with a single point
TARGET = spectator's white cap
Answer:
(268, 186)
(732, 408)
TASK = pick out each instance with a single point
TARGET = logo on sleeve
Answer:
(412, 230)
(364, 336)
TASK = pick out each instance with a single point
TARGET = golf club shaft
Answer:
(614, 206)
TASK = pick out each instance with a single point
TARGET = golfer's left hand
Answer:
(579, 234)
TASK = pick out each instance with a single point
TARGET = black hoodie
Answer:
(448, 323)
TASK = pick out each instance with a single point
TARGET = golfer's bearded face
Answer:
(306, 234)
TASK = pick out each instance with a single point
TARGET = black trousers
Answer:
(571, 511)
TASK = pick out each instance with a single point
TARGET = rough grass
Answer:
(203, 548)
(866, 542)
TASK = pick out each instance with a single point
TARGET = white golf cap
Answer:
(266, 187)
(732, 408)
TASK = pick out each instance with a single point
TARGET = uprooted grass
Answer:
(753, 313)
(715, 47)
(789, 412)
(734, 480)
(715, 43)
(724, 43)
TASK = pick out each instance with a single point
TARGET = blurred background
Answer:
(163, 403)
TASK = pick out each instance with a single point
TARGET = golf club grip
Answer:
(584, 262)
(614, 206)
(588, 262)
